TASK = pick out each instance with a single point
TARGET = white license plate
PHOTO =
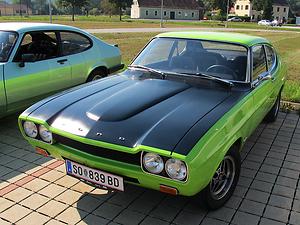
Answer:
(95, 176)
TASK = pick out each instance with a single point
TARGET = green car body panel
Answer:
(232, 129)
(21, 86)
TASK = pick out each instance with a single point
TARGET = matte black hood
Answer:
(129, 112)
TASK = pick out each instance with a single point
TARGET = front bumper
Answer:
(131, 173)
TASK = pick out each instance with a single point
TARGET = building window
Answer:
(192, 14)
(147, 13)
(179, 13)
(155, 13)
(247, 7)
(284, 9)
(165, 13)
(278, 9)
(241, 7)
(237, 7)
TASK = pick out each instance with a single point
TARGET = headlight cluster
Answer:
(173, 168)
(37, 131)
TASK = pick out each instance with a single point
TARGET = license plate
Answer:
(95, 176)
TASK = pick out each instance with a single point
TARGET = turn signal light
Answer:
(168, 190)
(41, 151)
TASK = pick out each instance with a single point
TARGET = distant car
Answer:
(265, 22)
(175, 121)
(38, 59)
(235, 19)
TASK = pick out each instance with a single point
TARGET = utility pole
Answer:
(227, 13)
(161, 14)
(50, 11)
(21, 8)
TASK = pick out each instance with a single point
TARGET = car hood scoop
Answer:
(134, 99)
(128, 112)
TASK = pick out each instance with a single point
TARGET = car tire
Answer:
(96, 75)
(273, 113)
(217, 193)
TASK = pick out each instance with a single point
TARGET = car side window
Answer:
(271, 57)
(259, 61)
(73, 43)
(43, 45)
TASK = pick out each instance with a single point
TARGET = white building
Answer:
(245, 8)
(173, 9)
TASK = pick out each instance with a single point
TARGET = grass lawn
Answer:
(287, 45)
(94, 22)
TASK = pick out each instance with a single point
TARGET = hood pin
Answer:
(121, 138)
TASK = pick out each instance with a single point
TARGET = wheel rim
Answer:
(96, 77)
(223, 178)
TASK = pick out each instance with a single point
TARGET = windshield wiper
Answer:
(148, 69)
(209, 77)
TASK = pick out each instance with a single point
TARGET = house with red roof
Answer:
(172, 9)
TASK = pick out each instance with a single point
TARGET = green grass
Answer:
(102, 21)
(286, 44)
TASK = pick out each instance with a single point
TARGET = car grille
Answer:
(99, 151)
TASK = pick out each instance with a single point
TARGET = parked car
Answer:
(174, 121)
(265, 22)
(38, 59)
(235, 19)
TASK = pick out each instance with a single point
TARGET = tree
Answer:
(258, 4)
(218, 4)
(108, 8)
(294, 6)
(121, 4)
(73, 4)
(268, 9)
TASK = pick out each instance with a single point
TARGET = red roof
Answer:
(171, 4)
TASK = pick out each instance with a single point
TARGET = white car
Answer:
(265, 22)
(235, 19)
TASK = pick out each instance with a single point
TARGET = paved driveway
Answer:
(35, 190)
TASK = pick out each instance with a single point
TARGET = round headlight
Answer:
(30, 129)
(153, 163)
(45, 134)
(176, 169)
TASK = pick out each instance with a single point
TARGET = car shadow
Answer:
(16, 155)
(102, 207)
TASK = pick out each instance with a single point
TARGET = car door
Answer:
(263, 85)
(74, 47)
(32, 81)
(2, 93)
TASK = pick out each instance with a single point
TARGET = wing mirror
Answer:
(267, 77)
(27, 58)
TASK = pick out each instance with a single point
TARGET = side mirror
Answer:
(267, 77)
(27, 58)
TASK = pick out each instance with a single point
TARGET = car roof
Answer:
(235, 38)
(22, 27)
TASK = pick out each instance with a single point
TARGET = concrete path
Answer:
(35, 190)
(143, 30)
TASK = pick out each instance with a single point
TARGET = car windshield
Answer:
(7, 42)
(189, 56)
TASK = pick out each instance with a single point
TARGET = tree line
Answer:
(116, 7)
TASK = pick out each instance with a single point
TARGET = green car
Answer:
(39, 59)
(175, 121)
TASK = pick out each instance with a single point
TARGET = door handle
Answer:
(62, 61)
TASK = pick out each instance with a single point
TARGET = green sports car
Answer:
(174, 121)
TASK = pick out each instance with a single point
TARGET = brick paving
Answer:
(35, 189)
